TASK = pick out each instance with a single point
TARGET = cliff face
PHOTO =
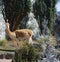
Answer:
(2, 27)
(2, 23)
(57, 27)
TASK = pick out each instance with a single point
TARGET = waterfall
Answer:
(32, 22)
(2, 23)
(32, 2)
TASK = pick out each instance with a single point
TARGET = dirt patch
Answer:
(5, 60)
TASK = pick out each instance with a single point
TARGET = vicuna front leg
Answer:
(30, 41)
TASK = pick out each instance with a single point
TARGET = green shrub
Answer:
(27, 53)
(33, 54)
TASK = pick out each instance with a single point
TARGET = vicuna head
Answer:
(7, 24)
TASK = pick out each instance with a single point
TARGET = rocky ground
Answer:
(10, 46)
(5, 60)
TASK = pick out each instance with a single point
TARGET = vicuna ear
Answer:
(7, 21)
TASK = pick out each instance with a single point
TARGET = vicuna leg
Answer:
(30, 41)
(15, 42)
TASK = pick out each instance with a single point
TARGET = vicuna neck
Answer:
(8, 30)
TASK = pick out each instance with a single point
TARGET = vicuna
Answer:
(21, 34)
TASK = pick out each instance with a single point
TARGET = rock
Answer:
(56, 29)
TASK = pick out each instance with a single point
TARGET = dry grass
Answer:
(23, 44)
(45, 40)
(3, 42)
(12, 45)
(53, 40)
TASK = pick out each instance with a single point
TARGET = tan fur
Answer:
(22, 34)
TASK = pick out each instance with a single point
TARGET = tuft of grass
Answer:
(26, 53)
(3, 42)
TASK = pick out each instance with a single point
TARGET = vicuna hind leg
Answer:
(15, 42)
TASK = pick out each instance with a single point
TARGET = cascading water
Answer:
(32, 2)
(32, 22)
(45, 27)
(2, 23)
